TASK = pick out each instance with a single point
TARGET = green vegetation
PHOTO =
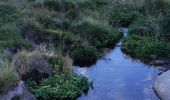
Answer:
(84, 55)
(9, 32)
(58, 22)
(8, 77)
(146, 48)
(60, 86)
(79, 29)
(100, 34)
(148, 35)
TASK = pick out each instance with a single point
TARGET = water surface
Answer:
(118, 77)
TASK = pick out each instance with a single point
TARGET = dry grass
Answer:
(8, 76)
(25, 61)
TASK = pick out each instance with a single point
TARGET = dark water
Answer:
(118, 77)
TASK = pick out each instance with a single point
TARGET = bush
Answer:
(146, 26)
(84, 55)
(146, 48)
(100, 34)
(68, 7)
(66, 86)
(123, 18)
(8, 76)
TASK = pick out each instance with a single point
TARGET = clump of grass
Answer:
(8, 76)
(30, 64)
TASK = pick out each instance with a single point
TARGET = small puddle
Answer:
(118, 77)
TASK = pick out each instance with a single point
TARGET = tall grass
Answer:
(8, 76)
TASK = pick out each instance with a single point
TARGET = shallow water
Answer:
(118, 77)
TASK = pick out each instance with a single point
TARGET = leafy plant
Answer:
(59, 86)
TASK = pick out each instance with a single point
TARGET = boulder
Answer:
(32, 65)
(20, 92)
(162, 86)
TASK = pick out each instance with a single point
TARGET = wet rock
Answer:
(32, 65)
(18, 93)
(162, 86)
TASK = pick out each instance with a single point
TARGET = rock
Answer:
(18, 93)
(32, 65)
(162, 86)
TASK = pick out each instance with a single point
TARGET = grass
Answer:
(98, 33)
(8, 77)
(30, 64)
(9, 32)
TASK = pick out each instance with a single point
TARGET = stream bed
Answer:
(117, 76)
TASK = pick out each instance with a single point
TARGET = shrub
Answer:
(69, 8)
(123, 18)
(8, 76)
(84, 55)
(66, 86)
(147, 26)
(97, 32)
(146, 48)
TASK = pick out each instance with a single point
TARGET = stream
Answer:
(117, 76)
